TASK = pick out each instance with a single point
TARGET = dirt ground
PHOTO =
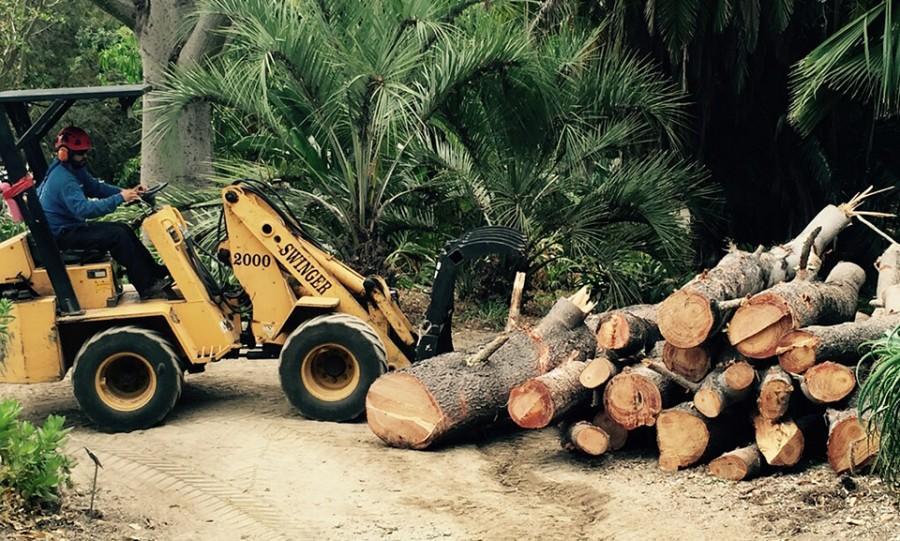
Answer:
(235, 462)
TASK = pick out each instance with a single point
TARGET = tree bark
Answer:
(800, 350)
(886, 291)
(686, 437)
(597, 372)
(586, 438)
(691, 363)
(738, 465)
(635, 397)
(784, 443)
(432, 400)
(629, 331)
(718, 391)
(850, 447)
(762, 321)
(539, 401)
(827, 383)
(774, 394)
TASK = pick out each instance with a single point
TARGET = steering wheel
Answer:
(149, 196)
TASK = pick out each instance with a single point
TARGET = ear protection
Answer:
(63, 154)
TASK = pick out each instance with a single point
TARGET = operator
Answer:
(70, 195)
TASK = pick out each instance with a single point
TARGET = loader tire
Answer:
(328, 364)
(127, 378)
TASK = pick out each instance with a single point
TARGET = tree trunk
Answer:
(738, 465)
(597, 372)
(538, 401)
(774, 394)
(800, 350)
(691, 363)
(886, 292)
(629, 331)
(421, 405)
(688, 317)
(783, 443)
(586, 438)
(618, 434)
(827, 383)
(850, 447)
(635, 397)
(685, 437)
(762, 321)
(718, 391)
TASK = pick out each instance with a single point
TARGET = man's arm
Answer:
(95, 187)
(79, 205)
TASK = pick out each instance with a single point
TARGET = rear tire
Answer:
(127, 378)
(328, 364)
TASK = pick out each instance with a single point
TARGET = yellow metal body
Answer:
(31, 352)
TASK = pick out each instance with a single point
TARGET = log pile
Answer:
(750, 367)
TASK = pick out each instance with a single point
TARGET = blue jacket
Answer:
(64, 195)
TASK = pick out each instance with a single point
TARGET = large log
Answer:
(799, 350)
(432, 400)
(586, 438)
(691, 363)
(538, 401)
(784, 442)
(774, 393)
(688, 317)
(827, 383)
(850, 447)
(618, 434)
(724, 386)
(765, 318)
(887, 291)
(635, 397)
(738, 465)
(597, 372)
(628, 331)
(686, 437)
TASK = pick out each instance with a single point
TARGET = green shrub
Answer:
(5, 319)
(879, 401)
(8, 228)
(32, 464)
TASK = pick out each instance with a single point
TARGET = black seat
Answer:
(71, 257)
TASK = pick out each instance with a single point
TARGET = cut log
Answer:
(635, 397)
(718, 390)
(657, 366)
(618, 434)
(538, 401)
(691, 363)
(738, 465)
(799, 350)
(827, 383)
(597, 372)
(784, 442)
(586, 438)
(774, 393)
(685, 437)
(886, 291)
(429, 401)
(629, 331)
(761, 322)
(850, 447)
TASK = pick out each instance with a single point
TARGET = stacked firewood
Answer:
(748, 367)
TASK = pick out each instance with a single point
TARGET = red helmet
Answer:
(75, 139)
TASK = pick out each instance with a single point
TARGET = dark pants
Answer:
(124, 246)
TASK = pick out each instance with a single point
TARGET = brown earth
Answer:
(235, 462)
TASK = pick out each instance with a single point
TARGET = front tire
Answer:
(328, 364)
(127, 378)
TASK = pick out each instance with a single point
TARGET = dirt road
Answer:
(235, 462)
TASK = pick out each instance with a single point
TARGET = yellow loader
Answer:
(333, 330)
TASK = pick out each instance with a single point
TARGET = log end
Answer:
(588, 438)
(829, 382)
(613, 332)
(691, 363)
(682, 438)
(739, 376)
(597, 372)
(685, 318)
(780, 442)
(757, 326)
(617, 433)
(401, 411)
(729, 467)
(774, 398)
(797, 351)
(849, 446)
(709, 402)
(530, 405)
(632, 400)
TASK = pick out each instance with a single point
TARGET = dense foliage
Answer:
(879, 401)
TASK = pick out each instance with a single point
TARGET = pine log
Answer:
(597, 372)
(784, 442)
(827, 383)
(431, 400)
(738, 465)
(618, 434)
(850, 447)
(799, 350)
(538, 401)
(724, 386)
(629, 331)
(635, 397)
(774, 393)
(765, 318)
(586, 438)
(691, 363)
(886, 291)
(686, 437)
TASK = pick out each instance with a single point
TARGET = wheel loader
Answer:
(333, 330)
